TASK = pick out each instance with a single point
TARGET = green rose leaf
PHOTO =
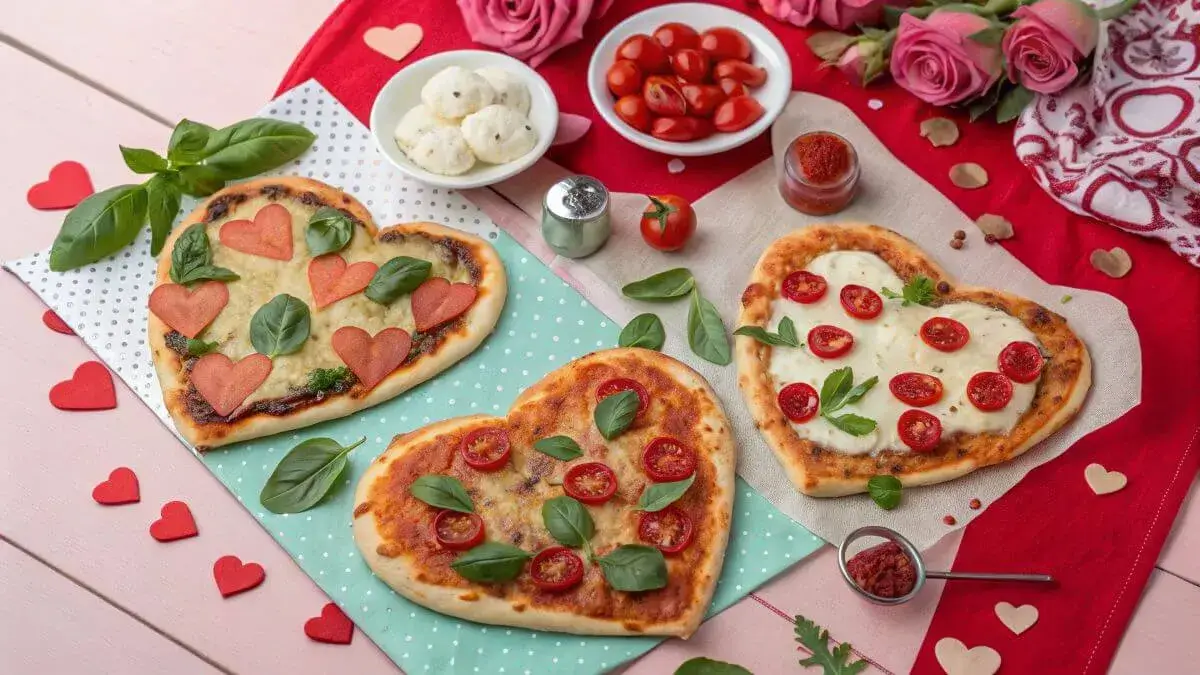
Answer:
(99, 226)
(305, 475)
(281, 326)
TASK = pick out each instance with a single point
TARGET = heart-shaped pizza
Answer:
(861, 357)
(600, 505)
(279, 305)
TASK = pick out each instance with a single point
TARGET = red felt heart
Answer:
(189, 312)
(437, 301)
(233, 576)
(371, 358)
(268, 235)
(176, 523)
(331, 279)
(90, 388)
(55, 323)
(68, 185)
(120, 488)
(333, 626)
(225, 384)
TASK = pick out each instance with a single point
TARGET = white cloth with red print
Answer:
(1125, 148)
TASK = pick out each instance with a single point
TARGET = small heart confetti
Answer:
(1016, 619)
(1102, 481)
(1114, 262)
(394, 43)
(333, 626)
(875, 104)
(954, 658)
(69, 184)
(55, 323)
(968, 175)
(176, 523)
(675, 166)
(233, 576)
(120, 488)
(570, 128)
(90, 388)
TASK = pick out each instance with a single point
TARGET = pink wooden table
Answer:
(83, 584)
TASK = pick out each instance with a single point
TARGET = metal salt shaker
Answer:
(575, 218)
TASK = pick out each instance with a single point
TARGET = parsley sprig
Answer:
(816, 640)
(918, 291)
(839, 391)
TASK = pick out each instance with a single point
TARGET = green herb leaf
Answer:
(706, 331)
(667, 285)
(200, 347)
(99, 226)
(1065, 299)
(253, 146)
(816, 640)
(786, 337)
(982, 104)
(918, 291)
(704, 666)
(491, 562)
(885, 491)
(162, 205)
(838, 391)
(443, 492)
(634, 567)
(141, 160)
(568, 521)
(281, 326)
(658, 496)
(200, 180)
(1012, 103)
(328, 230)
(191, 258)
(837, 384)
(855, 425)
(645, 330)
(305, 475)
(615, 413)
(188, 141)
(396, 277)
(990, 36)
(559, 447)
(859, 390)
(326, 379)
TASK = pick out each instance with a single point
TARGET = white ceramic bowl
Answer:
(403, 92)
(768, 54)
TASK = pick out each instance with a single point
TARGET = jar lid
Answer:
(577, 198)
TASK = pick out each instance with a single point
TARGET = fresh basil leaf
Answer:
(99, 226)
(253, 146)
(321, 380)
(786, 337)
(141, 160)
(859, 390)
(885, 491)
(644, 330)
(787, 331)
(704, 666)
(200, 180)
(444, 492)
(667, 285)
(305, 475)
(634, 567)
(200, 347)
(188, 141)
(491, 562)
(162, 205)
(328, 230)
(191, 258)
(855, 425)
(658, 496)
(835, 387)
(1013, 102)
(397, 277)
(568, 521)
(559, 447)
(615, 413)
(706, 331)
(281, 326)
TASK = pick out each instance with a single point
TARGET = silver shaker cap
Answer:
(577, 198)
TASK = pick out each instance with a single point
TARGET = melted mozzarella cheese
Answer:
(889, 345)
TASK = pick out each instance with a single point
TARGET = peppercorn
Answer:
(943, 287)
(959, 234)
(975, 504)
(949, 520)
(956, 244)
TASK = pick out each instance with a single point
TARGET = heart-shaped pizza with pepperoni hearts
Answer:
(280, 305)
(600, 505)
(859, 357)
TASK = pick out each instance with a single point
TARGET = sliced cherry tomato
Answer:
(620, 384)
(663, 96)
(646, 52)
(457, 531)
(919, 430)
(989, 391)
(861, 302)
(670, 530)
(702, 99)
(750, 75)
(666, 460)
(633, 111)
(944, 335)
(732, 87)
(590, 482)
(829, 342)
(916, 389)
(676, 36)
(624, 78)
(804, 287)
(725, 43)
(681, 129)
(691, 65)
(486, 448)
(737, 113)
(799, 402)
(556, 569)
(668, 222)
(1021, 362)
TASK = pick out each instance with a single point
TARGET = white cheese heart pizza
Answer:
(860, 357)
(279, 305)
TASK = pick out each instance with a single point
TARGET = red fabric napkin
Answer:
(1101, 549)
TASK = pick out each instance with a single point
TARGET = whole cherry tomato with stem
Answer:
(646, 52)
(624, 78)
(668, 222)
(737, 113)
(681, 129)
(663, 96)
(633, 111)
(676, 36)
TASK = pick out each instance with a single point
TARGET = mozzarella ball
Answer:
(444, 151)
(499, 134)
(456, 92)
(510, 90)
(415, 124)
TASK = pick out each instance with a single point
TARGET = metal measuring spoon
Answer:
(918, 564)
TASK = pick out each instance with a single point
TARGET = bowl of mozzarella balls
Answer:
(464, 119)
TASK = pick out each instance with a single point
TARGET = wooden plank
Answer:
(1162, 635)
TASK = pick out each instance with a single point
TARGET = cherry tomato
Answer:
(486, 448)
(919, 430)
(944, 335)
(667, 460)
(737, 113)
(732, 87)
(989, 391)
(732, 69)
(702, 99)
(691, 65)
(620, 384)
(725, 43)
(457, 531)
(916, 389)
(804, 287)
(799, 402)
(829, 342)
(670, 530)
(590, 482)
(624, 78)
(861, 302)
(668, 222)
(681, 129)
(676, 36)
(663, 96)
(1021, 362)
(646, 52)
(556, 569)
(633, 111)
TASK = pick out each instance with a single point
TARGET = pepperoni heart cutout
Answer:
(176, 523)
(437, 301)
(189, 312)
(330, 279)
(333, 626)
(120, 488)
(233, 576)
(90, 388)
(269, 235)
(55, 323)
(68, 185)
(225, 384)
(371, 358)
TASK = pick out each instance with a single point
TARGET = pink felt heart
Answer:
(333, 626)
(394, 43)
(371, 358)
(570, 128)
(55, 323)
(69, 184)
(176, 523)
(91, 388)
(120, 488)
(233, 576)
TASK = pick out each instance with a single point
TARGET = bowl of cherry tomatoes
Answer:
(689, 79)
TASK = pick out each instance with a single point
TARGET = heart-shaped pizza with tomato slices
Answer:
(858, 357)
(279, 305)
(599, 505)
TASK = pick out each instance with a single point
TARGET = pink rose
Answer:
(529, 29)
(795, 12)
(936, 61)
(844, 14)
(1041, 48)
(862, 62)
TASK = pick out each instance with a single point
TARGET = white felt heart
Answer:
(956, 659)
(1102, 481)
(1016, 619)
(394, 43)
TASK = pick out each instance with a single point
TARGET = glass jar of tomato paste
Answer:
(819, 173)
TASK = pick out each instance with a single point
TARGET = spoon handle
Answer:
(983, 576)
